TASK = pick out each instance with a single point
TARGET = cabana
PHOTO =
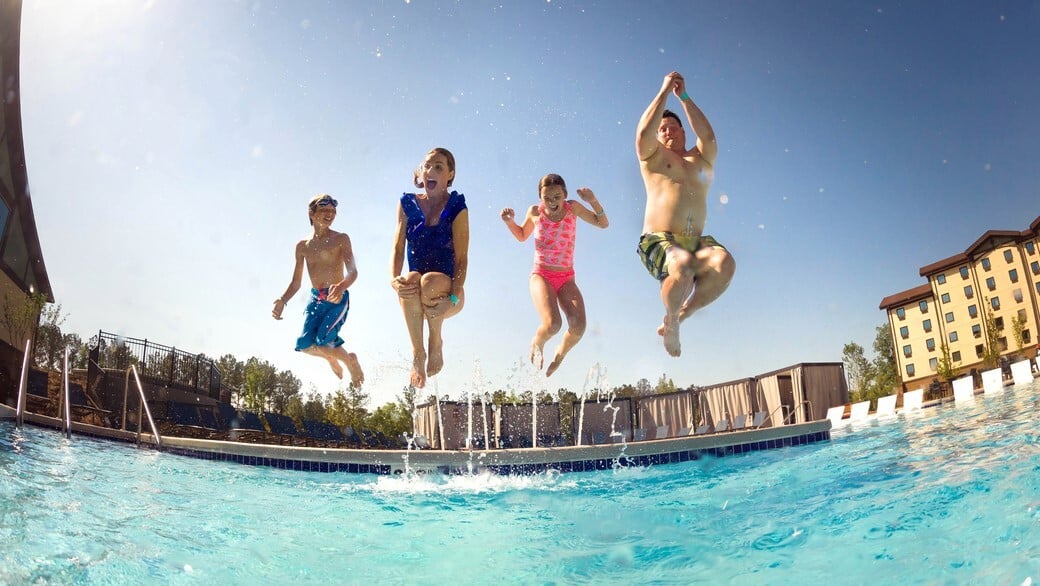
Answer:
(802, 392)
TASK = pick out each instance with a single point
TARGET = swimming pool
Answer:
(945, 495)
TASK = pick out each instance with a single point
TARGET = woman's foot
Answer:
(418, 379)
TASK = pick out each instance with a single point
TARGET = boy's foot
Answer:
(554, 365)
(669, 330)
(336, 368)
(418, 378)
(436, 360)
(536, 356)
(357, 377)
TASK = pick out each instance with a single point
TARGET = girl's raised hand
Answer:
(586, 194)
(508, 214)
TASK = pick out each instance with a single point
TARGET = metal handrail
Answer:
(812, 416)
(144, 403)
(23, 383)
(68, 408)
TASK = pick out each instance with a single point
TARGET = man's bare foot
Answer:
(418, 379)
(669, 330)
(436, 361)
(357, 377)
(536, 356)
(554, 365)
(336, 368)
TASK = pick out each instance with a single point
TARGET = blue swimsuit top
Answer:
(430, 248)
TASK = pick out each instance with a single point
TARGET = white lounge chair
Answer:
(640, 434)
(759, 419)
(963, 389)
(684, 431)
(992, 381)
(739, 422)
(912, 400)
(721, 425)
(701, 429)
(886, 406)
(859, 411)
(1021, 373)
(835, 414)
(662, 432)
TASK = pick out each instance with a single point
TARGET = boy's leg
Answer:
(413, 319)
(715, 268)
(350, 360)
(322, 352)
(545, 304)
(573, 305)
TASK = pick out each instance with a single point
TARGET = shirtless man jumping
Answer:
(693, 268)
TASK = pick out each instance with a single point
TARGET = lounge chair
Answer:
(183, 420)
(662, 432)
(324, 435)
(241, 425)
(640, 434)
(721, 425)
(858, 411)
(992, 381)
(701, 429)
(912, 400)
(758, 419)
(284, 427)
(1021, 373)
(684, 431)
(835, 414)
(886, 406)
(739, 422)
(963, 389)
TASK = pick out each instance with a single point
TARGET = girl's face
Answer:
(553, 196)
(436, 174)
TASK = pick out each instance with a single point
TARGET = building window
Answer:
(1025, 337)
(945, 297)
(998, 322)
(956, 356)
(907, 352)
(968, 292)
(953, 336)
(923, 306)
(976, 331)
(941, 279)
(964, 272)
(927, 325)
(1030, 248)
(978, 350)
(1008, 256)
(995, 302)
(949, 317)
(973, 312)
(991, 284)
(1022, 315)
(1002, 344)
(1035, 267)
(1017, 294)
(985, 264)
(1038, 287)
(933, 363)
(904, 332)
(930, 344)
(1013, 273)
(901, 313)
(909, 370)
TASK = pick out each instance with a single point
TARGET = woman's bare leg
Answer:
(413, 318)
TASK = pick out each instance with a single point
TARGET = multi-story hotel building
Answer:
(998, 275)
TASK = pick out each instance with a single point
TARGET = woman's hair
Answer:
(437, 151)
(552, 179)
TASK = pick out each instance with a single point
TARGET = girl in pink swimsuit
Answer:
(552, 222)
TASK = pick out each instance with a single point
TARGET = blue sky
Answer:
(172, 147)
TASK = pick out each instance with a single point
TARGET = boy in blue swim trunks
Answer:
(329, 259)
(692, 267)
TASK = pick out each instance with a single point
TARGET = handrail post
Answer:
(147, 411)
(68, 403)
(23, 383)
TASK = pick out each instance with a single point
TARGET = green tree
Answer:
(945, 366)
(886, 375)
(991, 351)
(1018, 328)
(50, 342)
(858, 369)
(664, 385)
(20, 316)
(259, 384)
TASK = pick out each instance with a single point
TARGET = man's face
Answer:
(671, 134)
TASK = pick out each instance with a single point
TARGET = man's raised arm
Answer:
(646, 134)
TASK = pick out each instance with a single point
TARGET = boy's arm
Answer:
(646, 133)
(294, 284)
(349, 270)
(706, 145)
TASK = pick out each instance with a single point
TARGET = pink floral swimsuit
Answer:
(554, 246)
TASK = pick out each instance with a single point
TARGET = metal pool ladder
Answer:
(144, 403)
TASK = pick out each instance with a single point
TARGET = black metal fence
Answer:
(158, 363)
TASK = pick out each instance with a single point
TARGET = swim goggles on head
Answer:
(325, 202)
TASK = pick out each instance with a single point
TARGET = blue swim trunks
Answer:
(323, 320)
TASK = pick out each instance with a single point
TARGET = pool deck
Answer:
(498, 461)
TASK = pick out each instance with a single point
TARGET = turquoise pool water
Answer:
(948, 495)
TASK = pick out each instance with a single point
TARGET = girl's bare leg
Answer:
(545, 304)
(573, 306)
(413, 318)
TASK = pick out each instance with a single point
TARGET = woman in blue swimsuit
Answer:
(433, 232)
